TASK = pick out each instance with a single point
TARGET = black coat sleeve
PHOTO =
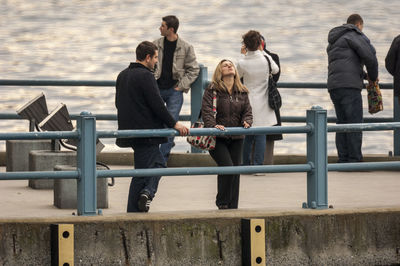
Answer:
(117, 90)
(366, 52)
(275, 57)
(392, 59)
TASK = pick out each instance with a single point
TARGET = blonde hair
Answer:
(219, 84)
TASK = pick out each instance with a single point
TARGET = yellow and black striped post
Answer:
(253, 242)
(62, 244)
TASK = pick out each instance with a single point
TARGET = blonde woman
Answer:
(233, 110)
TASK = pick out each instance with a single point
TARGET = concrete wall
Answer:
(303, 237)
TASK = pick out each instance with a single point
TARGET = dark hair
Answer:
(172, 22)
(252, 40)
(354, 19)
(145, 48)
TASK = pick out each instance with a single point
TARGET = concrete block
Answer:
(17, 153)
(65, 190)
(45, 161)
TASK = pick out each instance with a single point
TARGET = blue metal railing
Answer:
(196, 95)
(316, 129)
(317, 167)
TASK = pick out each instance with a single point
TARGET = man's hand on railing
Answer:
(183, 131)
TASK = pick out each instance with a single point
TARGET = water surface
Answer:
(95, 40)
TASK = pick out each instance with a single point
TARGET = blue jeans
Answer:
(348, 107)
(259, 149)
(174, 101)
(145, 156)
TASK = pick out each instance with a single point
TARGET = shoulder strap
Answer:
(269, 64)
(214, 109)
(214, 103)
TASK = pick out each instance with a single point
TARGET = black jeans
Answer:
(228, 152)
(146, 156)
(348, 107)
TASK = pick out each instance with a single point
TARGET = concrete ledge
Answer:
(303, 237)
(204, 159)
(175, 159)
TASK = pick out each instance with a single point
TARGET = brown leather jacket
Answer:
(232, 110)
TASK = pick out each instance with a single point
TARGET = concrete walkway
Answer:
(271, 192)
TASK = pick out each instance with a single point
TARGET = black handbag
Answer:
(274, 97)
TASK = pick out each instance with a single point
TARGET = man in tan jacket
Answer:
(177, 69)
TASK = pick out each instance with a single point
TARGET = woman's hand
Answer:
(220, 127)
(246, 125)
(243, 49)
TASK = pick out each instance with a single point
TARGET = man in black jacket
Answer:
(140, 106)
(348, 51)
(392, 63)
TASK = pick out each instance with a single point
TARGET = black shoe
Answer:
(144, 202)
(223, 206)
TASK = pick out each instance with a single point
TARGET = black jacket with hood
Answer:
(392, 63)
(348, 51)
(139, 104)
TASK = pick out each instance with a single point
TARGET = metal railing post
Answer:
(196, 96)
(317, 181)
(396, 132)
(86, 162)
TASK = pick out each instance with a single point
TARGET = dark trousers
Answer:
(348, 107)
(145, 156)
(228, 152)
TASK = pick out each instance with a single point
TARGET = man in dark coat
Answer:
(348, 51)
(392, 63)
(140, 106)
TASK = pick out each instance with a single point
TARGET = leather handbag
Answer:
(204, 142)
(274, 100)
(201, 142)
(375, 103)
(274, 97)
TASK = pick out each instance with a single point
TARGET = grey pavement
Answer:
(271, 192)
